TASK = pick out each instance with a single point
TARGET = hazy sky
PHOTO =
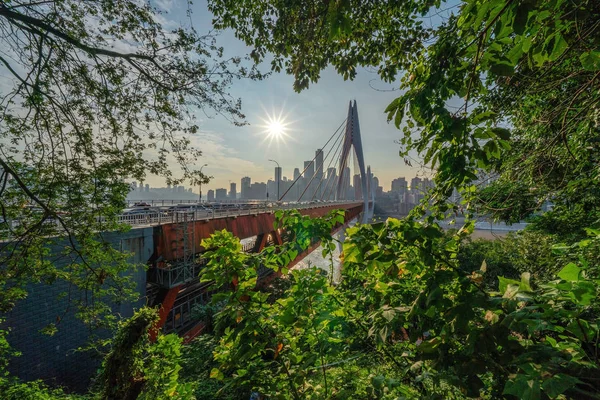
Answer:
(311, 116)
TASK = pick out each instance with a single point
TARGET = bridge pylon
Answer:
(352, 140)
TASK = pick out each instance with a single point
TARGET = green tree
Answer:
(503, 85)
(136, 368)
(96, 92)
(409, 319)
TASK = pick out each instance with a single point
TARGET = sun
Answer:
(275, 128)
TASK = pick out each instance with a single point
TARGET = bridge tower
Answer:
(352, 140)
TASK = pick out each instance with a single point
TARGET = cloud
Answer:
(224, 163)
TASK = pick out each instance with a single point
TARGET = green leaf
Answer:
(590, 60)
(388, 313)
(569, 273)
(511, 291)
(523, 388)
(521, 17)
(558, 384)
(502, 133)
(381, 287)
(583, 293)
(482, 117)
(560, 45)
(505, 282)
(582, 330)
(216, 373)
(502, 68)
(429, 346)
(524, 285)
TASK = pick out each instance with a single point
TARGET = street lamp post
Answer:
(277, 177)
(200, 183)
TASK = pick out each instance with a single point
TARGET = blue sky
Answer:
(312, 116)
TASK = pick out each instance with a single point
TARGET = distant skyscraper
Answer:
(271, 190)
(400, 186)
(358, 194)
(309, 167)
(210, 196)
(134, 186)
(221, 194)
(277, 183)
(258, 191)
(330, 172)
(319, 164)
(245, 187)
(296, 173)
(232, 191)
(345, 178)
(416, 184)
(147, 188)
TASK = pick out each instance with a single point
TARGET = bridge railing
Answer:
(161, 216)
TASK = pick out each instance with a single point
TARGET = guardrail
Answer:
(159, 217)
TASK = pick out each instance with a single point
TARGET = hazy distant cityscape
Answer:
(305, 184)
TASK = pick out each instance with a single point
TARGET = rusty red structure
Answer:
(177, 260)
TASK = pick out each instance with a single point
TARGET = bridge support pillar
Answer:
(166, 305)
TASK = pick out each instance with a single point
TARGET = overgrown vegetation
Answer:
(508, 88)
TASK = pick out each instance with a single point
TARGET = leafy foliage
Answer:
(503, 86)
(421, 317)
(135, 368)
(95, 93)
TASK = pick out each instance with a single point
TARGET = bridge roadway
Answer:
(159, 215)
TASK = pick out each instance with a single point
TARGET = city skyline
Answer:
(398, 185)
(232, 152)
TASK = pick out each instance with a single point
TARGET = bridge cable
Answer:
(329, 178)
(319, 167)
(329, 188)
(313, 160)
(343, 165)
(338, 178)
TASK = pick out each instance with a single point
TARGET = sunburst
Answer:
(275, 128)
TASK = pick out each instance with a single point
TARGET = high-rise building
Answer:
(277, 191)
(400, 186)
(356, 182)
(221, 194)
(210, 196)
(147, 188)
(271, 190)
(134, 186)
(258, 191)
(232, 191)
(296, 173)
(330, 173)
(416, 184)
(309, 169)
(345, 178)
(428, 184)
(319, 164)
(245, 187)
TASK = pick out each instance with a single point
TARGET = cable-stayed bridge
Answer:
(174, 267)
(168, 242)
